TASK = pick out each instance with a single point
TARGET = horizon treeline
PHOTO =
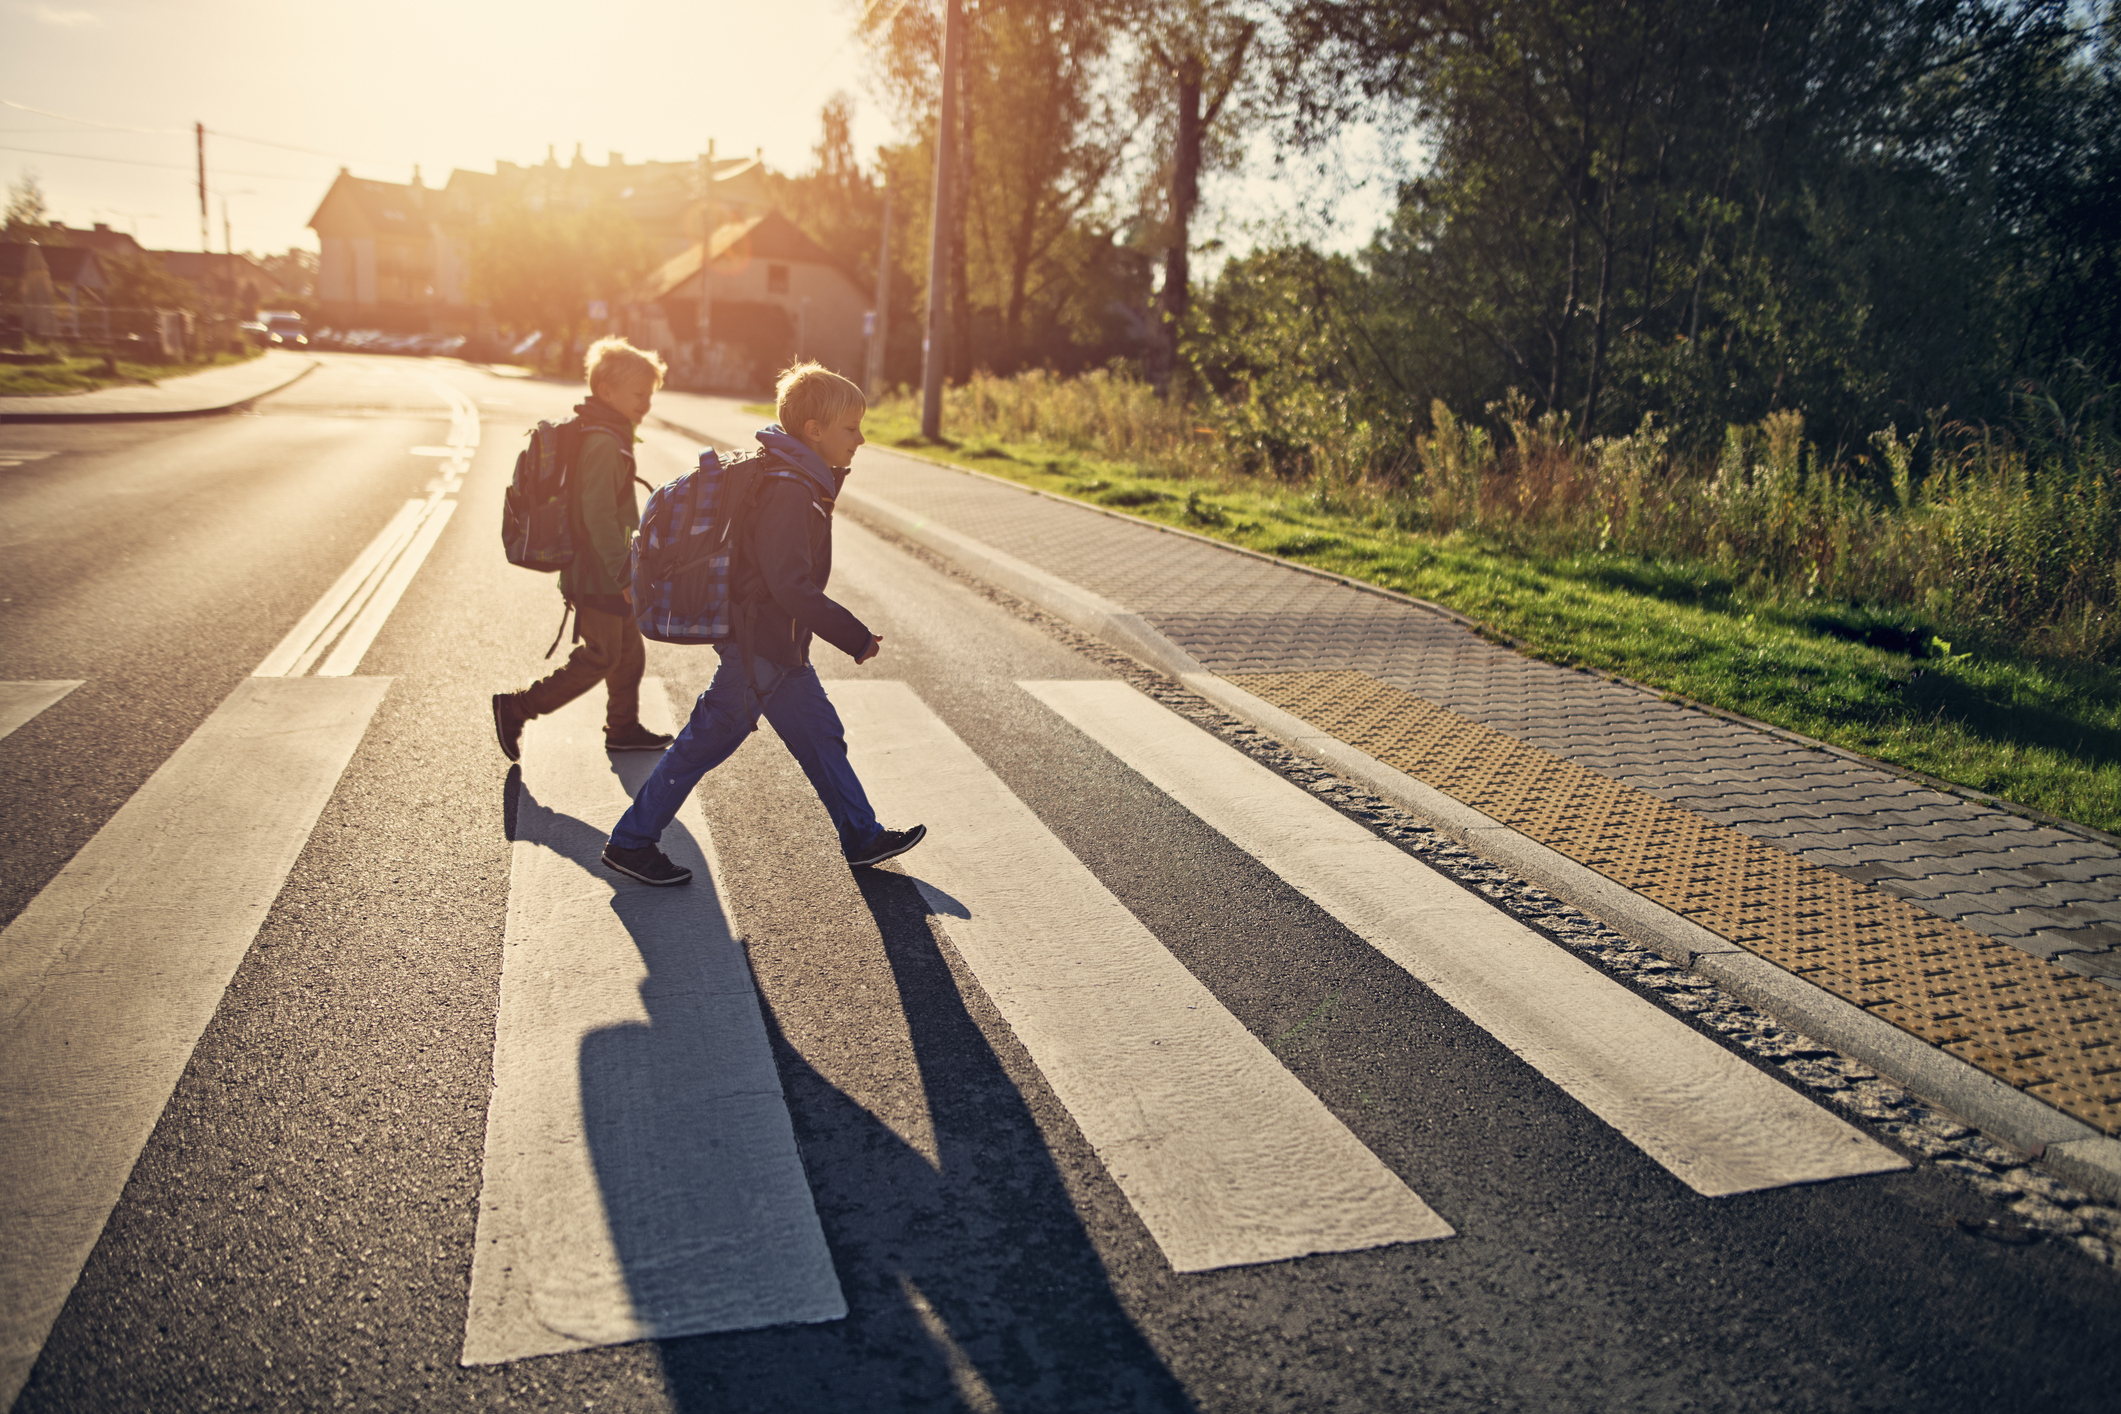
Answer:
(1898, 212)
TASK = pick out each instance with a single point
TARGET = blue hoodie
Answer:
(784, 558)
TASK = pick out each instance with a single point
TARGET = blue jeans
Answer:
(728, 711)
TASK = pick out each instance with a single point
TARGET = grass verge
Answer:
(2040, 733)
(85, 374)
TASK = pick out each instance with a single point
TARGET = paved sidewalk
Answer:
(1887, 893)
(193, 395)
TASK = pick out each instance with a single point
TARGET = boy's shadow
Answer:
(969, 1280)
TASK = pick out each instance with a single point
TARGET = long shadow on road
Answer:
(970, 1282)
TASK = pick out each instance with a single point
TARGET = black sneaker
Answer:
(646, 864)
(888, 844)
(635, 738)
(508, 721)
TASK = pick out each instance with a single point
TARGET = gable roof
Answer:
(357, 205)
(769, 237)
(67, 265)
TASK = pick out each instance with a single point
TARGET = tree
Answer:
(538, 269)
(1043, 131)
(1712, 210)
(1193, 55)
(27, 217)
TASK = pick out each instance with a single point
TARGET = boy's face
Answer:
(836, 441)
(630, 396)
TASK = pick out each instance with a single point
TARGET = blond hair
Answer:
(612, 360)
(808, 391)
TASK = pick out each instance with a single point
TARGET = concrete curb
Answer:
(61, 415)
(2069, 1148)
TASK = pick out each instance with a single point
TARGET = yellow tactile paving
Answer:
(2048, 1032)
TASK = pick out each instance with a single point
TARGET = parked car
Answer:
(255, 333)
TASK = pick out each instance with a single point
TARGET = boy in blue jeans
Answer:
(777, 585)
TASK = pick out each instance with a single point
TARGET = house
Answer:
(399, 255)
(235, 284)
(732, 310)
(52, 291)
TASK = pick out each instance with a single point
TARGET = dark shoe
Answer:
(646, 864)
(888, 844)
(635, 738)
(508, 721)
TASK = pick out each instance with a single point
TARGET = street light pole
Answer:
(206, 242)
(932, 347)
(873, 379)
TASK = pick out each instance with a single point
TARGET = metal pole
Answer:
(932, 347)
(873, 376)
(205, 238)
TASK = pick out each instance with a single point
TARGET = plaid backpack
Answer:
(536, 529)
(682, 553)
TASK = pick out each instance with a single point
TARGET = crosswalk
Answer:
(641, 1177)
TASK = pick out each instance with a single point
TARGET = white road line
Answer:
(641, 1177)
(21, 701)
(110, 975)
(362, 598)
(345, 659)
(1714, 1121)
(329, 616)
(1227, 1157)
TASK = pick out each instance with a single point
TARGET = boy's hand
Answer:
(876, 646)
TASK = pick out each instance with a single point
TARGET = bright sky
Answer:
(380, 85)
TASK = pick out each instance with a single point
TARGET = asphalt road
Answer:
(299, 1229)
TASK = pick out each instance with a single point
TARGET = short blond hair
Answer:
(811, 390)
(612, 360)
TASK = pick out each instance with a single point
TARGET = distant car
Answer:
(283, 329)
(255, 333)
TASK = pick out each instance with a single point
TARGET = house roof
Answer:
(769, 237)
(68, 265)
(357, 205)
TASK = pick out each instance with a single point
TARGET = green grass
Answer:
(2041, 733)
(85, 373)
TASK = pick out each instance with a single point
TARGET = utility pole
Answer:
(932, 347)
(205, 238)
(873, 376)
(228, 238)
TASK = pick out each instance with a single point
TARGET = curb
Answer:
(56, 415)
(2068, 1148)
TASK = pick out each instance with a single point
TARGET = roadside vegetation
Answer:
(83, 373)
(1963, 623)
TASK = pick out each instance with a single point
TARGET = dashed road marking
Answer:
(1717, 1123)
(1227, 1158)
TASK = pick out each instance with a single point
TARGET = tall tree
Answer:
(1192, 60)
(1043, 132)
(1714, 209)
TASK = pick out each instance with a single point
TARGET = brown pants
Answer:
(610, 653)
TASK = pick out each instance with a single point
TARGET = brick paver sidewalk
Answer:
(214, 390)
(1309, 643)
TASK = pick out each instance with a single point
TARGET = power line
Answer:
(166, 166)
(180, 132)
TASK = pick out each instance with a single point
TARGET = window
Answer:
(776, 279)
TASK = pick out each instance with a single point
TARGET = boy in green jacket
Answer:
(622, 382)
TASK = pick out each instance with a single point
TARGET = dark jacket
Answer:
(784, 558)
(606, 514)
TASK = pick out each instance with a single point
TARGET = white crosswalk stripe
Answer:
(111, 974)
(20, 702)
(641, 1174)
(1227, 1158)
(1714, 1121)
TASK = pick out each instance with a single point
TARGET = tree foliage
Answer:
(1714, 210)
(538, 269)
